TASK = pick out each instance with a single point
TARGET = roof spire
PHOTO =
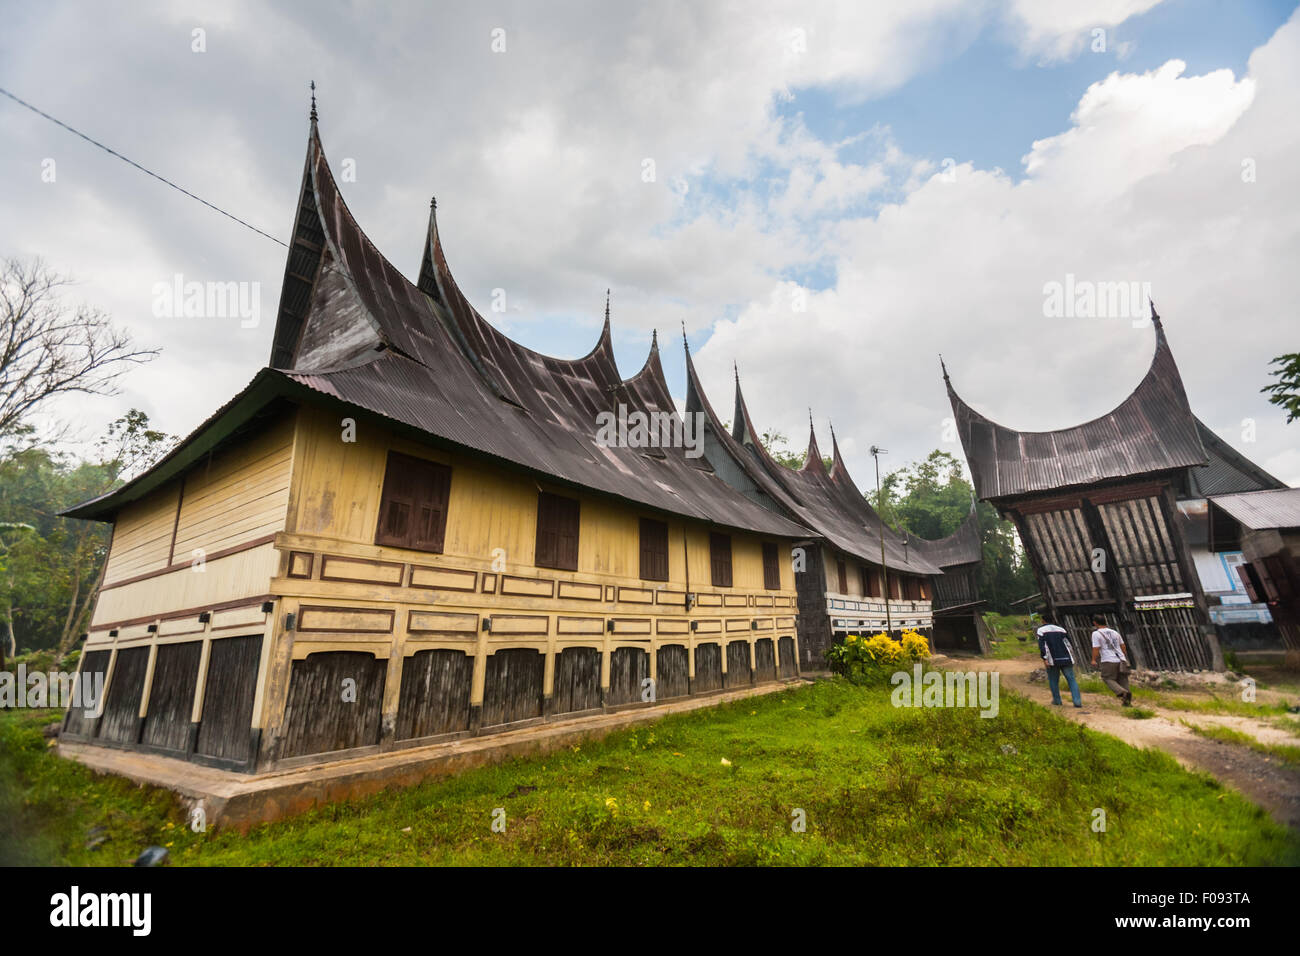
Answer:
(684, 340)
(736, 368)
(654, 340)
(606, 306)
(313, 101)
(944, 367)
(433, 202)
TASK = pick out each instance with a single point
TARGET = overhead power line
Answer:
(131, 162)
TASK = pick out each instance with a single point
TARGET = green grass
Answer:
(1210, 703)
(1138, 713)
(1006, 630)
(1284, 752)
(878, 785)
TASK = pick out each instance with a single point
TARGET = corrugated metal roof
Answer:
(1229, 471)
(1153, 430)
(1260, 510)
(961, 547)
(828, 502)
(427, 360)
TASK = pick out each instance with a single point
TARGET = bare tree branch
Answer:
(48, 348)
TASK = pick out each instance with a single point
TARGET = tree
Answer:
(1285, 392)
(50, 574)
(931, 498)
(776, 444)
(49, 349)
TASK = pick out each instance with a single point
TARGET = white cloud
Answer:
(1146, 186)
(1060, 29)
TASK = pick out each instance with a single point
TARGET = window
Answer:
(842, 574)
(923, 589)
(771, 567)
(720, 559)
(413, 506)
(868, 581)
(654, 550)
(893, 586)
(557, 532)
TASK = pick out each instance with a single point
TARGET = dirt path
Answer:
(1264, 779)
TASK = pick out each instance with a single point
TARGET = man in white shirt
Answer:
(1109, 651)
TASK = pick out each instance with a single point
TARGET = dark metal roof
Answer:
(1229, 471)
(961, 547)
(362, 334)
(828, 502)
(1261, 510)
(1153, 430)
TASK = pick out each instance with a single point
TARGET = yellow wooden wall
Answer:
(238, 495)
(338, 485)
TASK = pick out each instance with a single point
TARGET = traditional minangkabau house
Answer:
(408, 528)
(839, 575)
(1264, 527)
(1096, 509)
(956, 602)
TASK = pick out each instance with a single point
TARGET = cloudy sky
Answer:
(829, 195)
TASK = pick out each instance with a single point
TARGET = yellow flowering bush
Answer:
(915, 646)
(866, 658)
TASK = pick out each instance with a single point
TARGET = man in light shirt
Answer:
(1054, 646)
(1108, 649)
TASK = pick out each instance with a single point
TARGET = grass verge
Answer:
(874, 784)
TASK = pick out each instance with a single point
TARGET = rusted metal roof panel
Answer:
(1153, 430)
(1261, 510)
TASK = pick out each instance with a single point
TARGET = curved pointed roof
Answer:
(1153, 430)
(352, 328)
(961, 547)
(827, 502)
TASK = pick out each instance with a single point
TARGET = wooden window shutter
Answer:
(771, 567)
(413, 504)
(557, 532)
(1251, 582)
(654, 550)
(864, 578)
(842, 574)
(720, 559)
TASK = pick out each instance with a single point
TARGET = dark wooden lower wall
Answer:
(225, 732)
(577, 680)
(512, 690)
(434, 698)
(335, 702)
(435, 694)
(764, 660)
(628, 667)
(738, 672)
(171, 696)
(79, 721)
(672, 672)
(788, 666)
(120, 722)
(708, 668)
